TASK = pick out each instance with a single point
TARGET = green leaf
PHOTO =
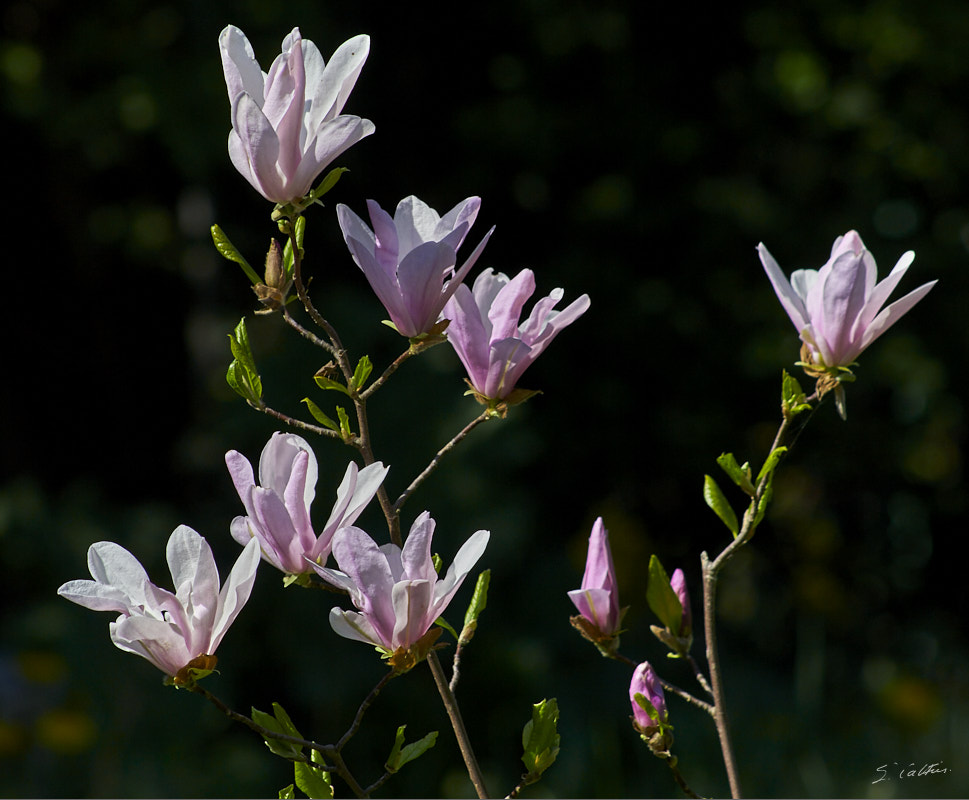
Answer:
(269, 722)
(361, 373)
(540, 739)
(319, 416)
(443, 623)
(345, 431)
(792, 396)
(242, 375)
(402, 754)
(715, 499)
(288, 260)
(289, 793)
(229, 251)
(662, 598)
(645, 705)
(770, 464)
(328, 182)
(314, 783)
(479, 601)
(738, 474)
(328, 383)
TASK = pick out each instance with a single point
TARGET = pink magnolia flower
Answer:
(837, 309)
(278, 508)
(646, 683)
(397, 592)
(598, 599)
(410, 260)
(286, 125)
(485, 331)
(172, 630)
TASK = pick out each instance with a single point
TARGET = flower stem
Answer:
(711, 573)
(437, 459)
(457, 723)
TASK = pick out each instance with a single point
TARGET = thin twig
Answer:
(298, 423)
(678, 777)
(373, 387)
(367, 701)
(483, 416)
(711, 573)
(457, 723)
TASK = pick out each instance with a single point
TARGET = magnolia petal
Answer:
(255, 149)
(96, 596)
(235, 594)
(329, 89)
(464, 561)
(467, 335)
(421, 280)
(242, 72)
(358, 556)
(111, 564)
(506, 309)
(889, 316)
(158, 641)
(354, 625)
(413, 612)
(415, 558)
(192, 565)
(880, 294)
(793, 304)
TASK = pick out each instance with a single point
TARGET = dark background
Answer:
(635, 153)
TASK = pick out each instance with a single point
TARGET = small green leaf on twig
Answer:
(738, 474)
(361, 373)
(792, 397)
(715, 499)
(242, 375)
(229, 251)
(767, 471)
(288, 260)
(288, 793)
(479, 601)
(280, 723)
(328, 182)
(319, 416)
(402, 754)
(662, 598)
(314, 783)
(328, 383)
(540, 739)
(345, 431)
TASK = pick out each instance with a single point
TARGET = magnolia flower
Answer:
(410, 260)
(278, 509)
(485, 333)
(175, 632)
(598, 599)
(397, 593)
(837, 310)
(678, 583)
(286, 125)
(646, 683)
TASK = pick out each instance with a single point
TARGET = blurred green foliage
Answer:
(633, 154)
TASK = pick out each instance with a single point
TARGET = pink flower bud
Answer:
(598, 599)
(646, 683)
(678, 582)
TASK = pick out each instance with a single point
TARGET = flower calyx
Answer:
(404, 659)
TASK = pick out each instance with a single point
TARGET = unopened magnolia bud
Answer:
(272, 293)
(275, 273)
